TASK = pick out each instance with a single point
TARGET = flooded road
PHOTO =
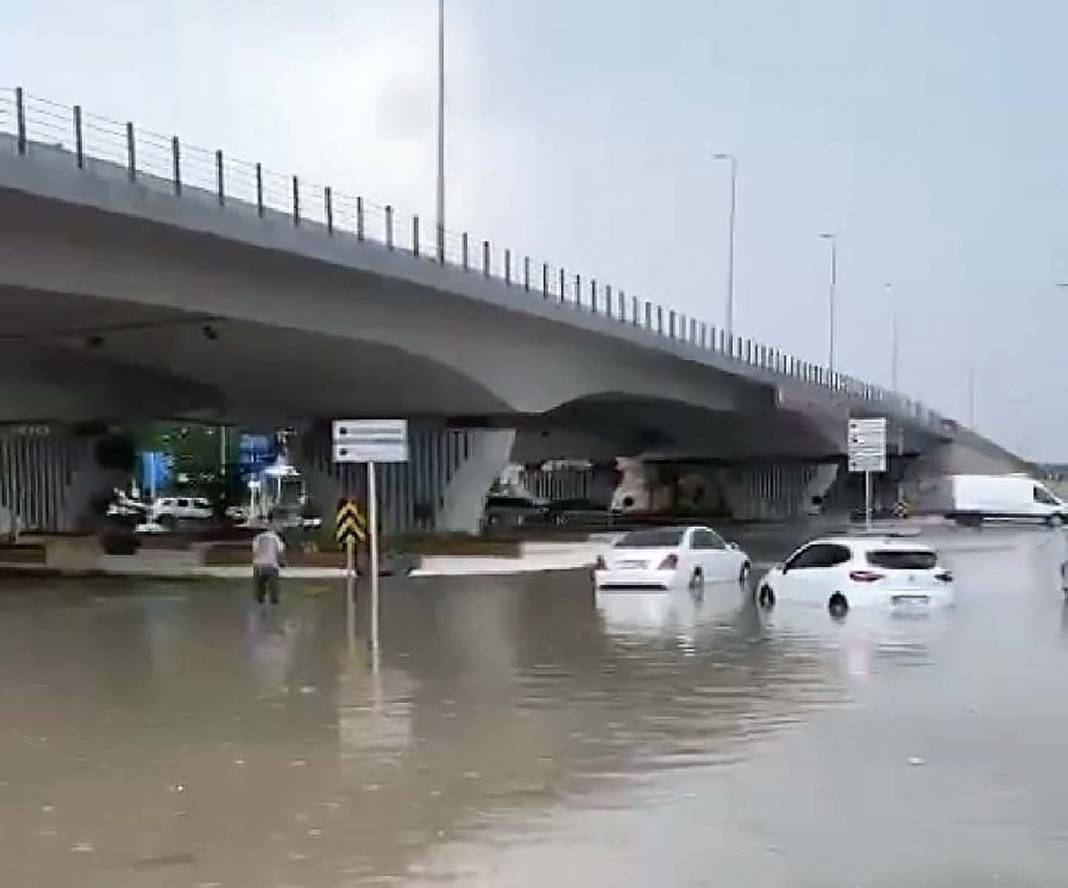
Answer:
(520, 732)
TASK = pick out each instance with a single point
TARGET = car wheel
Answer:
(1055, 521)
(743, 575)
(169, 522)
(838, 605)
(766, 597)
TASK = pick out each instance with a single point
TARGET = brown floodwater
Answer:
(523, 732)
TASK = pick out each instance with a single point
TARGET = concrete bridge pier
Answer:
(774, 492)
(442, 488)
(50, 478)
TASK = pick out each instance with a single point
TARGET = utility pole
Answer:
(441, 132)
(831, 295)
(893, 337)
(971, 395)
(730, 255)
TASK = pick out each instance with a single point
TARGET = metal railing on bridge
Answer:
(165, 162)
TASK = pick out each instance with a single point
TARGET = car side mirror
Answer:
(732, 546)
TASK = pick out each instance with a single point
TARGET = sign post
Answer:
(371, 441)
(350, 528)
(372, 511)
(867, 454)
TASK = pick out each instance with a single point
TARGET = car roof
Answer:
(679, 527)
(867, 543)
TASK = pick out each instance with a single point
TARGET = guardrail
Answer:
(165, 160)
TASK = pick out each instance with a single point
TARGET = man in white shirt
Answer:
(268, 551)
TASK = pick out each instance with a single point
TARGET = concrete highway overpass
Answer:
(141, 278)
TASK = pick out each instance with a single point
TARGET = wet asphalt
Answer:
(523, 731)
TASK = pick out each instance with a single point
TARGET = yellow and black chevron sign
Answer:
(350, 524)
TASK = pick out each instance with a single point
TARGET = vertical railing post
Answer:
(441, 243)
(671, 325)
(526, 273)
(578, 289)
(648, 316)
(563, 288)
(545, 280)
(593, 295)
(296, 201)
(131, 152)
(660, 319)
(485, 258)
(20, 119)
(359, 218)
(415, 236)
(259, 189)
(79, 147)
(328, 200)
(508, 267)
(220, 184)
(389, 227)
(622, 306)
(176, 165)
(608, 299)
(704, 335)
(465, 250)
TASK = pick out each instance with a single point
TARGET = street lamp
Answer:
(730, 255)
(441, 132)
(834, 283)
(893, 337)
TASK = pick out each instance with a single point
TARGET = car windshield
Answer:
(902, 559)
(658, 538)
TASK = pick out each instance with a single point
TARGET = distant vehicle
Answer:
(514, 511)
(859, 571)
(170, 510)
(149, 527)
(123, 506)
(972, 498)
(576, 511)
(669, 558)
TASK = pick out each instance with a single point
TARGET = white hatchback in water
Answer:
(670, 558)
(859, 571)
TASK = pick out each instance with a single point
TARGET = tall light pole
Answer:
(893, 337)
(441, 131)
(730, 255)
(834, 283)
(971, 394)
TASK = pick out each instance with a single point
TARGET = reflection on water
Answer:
(515, 730)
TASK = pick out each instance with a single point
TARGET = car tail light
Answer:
(865, 576)
(599, 564)
(946, 576)
(670, 562)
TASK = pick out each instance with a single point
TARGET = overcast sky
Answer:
(930, 136)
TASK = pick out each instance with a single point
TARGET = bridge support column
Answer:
(50, 480)
(775, 492)
(443, 487)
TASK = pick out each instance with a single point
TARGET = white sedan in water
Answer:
(859, 571)
(670, 558)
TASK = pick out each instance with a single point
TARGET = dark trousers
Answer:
(265, 582)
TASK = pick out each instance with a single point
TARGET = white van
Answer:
(972, 498)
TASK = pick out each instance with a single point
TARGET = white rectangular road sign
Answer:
(370, 440)
(867, 445)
